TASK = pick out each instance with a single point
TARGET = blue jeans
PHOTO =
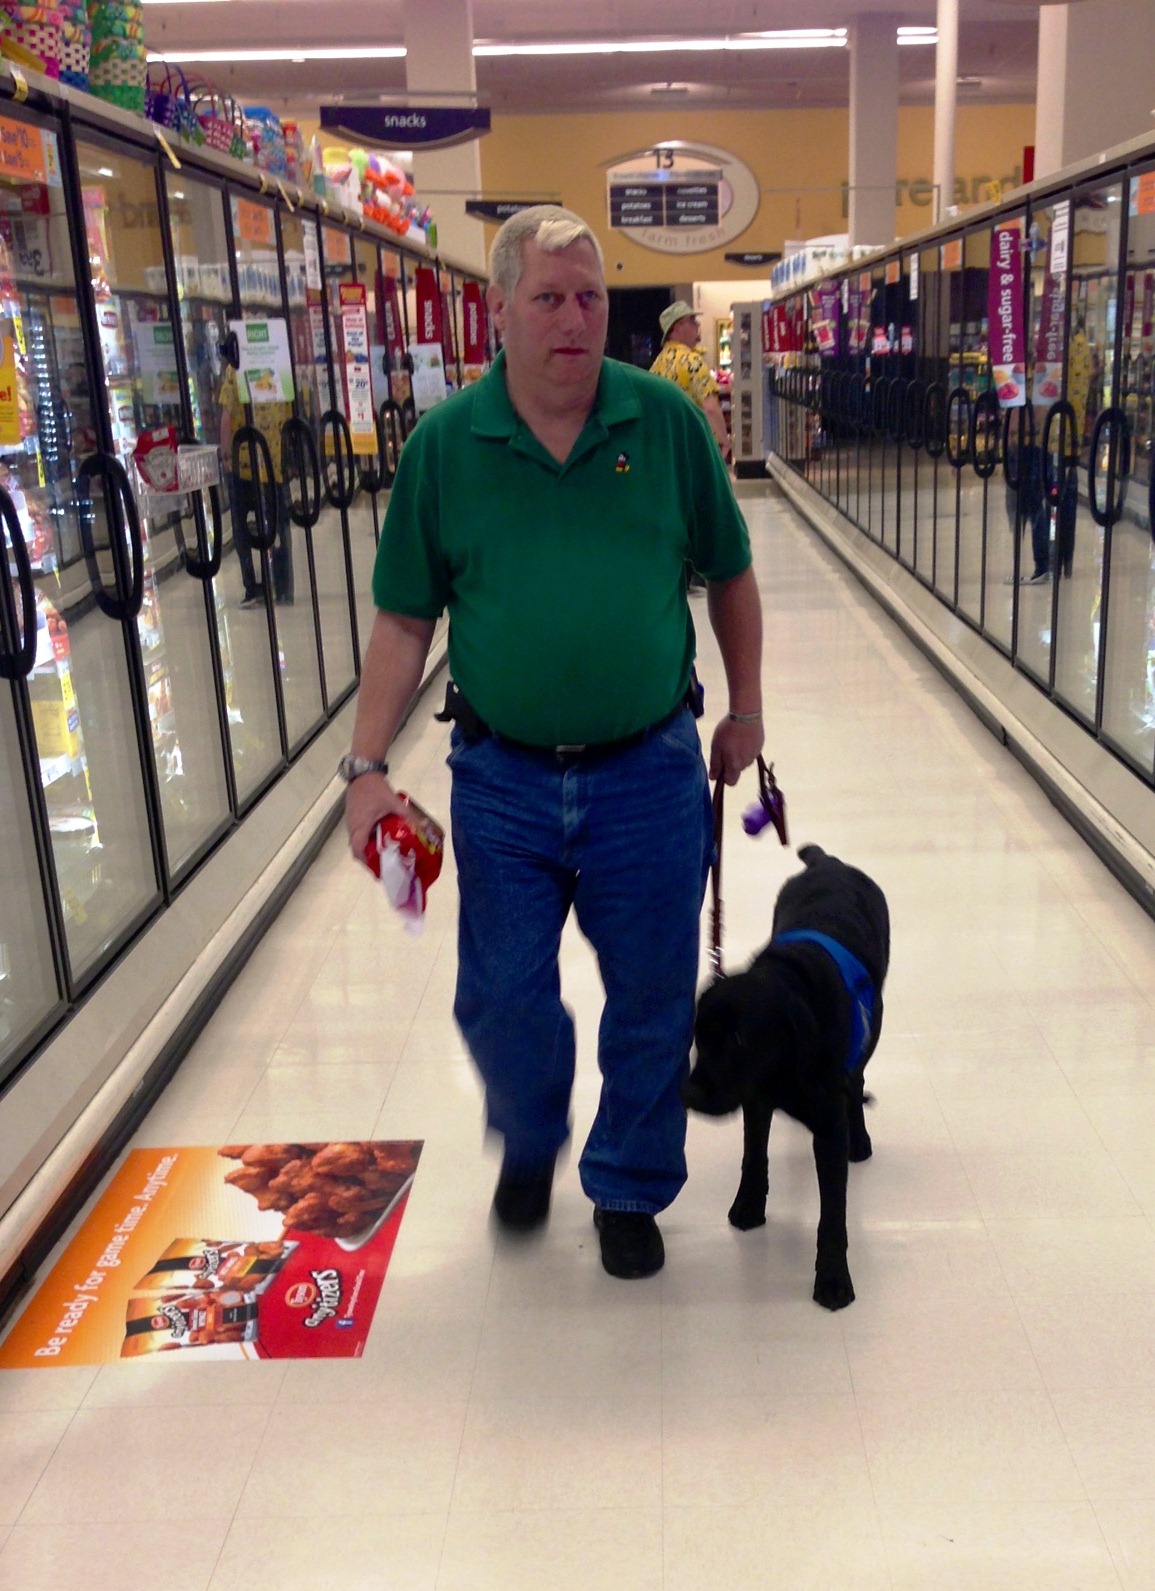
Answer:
(627, 842)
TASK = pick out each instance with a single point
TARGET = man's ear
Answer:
(495, 303)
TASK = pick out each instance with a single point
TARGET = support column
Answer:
(439, 62)
(1095, 86)
(873, 127)
(945, 104)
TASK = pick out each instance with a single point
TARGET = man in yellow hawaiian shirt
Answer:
(683, 362)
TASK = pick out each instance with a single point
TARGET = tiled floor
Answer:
(981, 1419)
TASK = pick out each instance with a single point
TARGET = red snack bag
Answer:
(156, 457)
(405, 854)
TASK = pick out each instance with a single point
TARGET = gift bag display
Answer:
(31, 36)
(118, 69)
(219, 118)
(168, 101)
(75, 44)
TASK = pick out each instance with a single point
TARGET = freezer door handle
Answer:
(934, 420)
(985, 409)
(250, 441)
(1118, 468)
(299, 444)
(206, 564)
(124, 536)
(1068, 448)
(958, 429)
(17, 639)
(376, 476)
(343, 490)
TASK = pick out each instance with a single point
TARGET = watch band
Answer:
(351, 767)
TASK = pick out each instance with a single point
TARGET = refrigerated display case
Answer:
(1029, 520)
(149, 722)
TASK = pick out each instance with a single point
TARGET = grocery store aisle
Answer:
(982, 1415)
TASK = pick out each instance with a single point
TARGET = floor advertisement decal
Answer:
(253, 1251)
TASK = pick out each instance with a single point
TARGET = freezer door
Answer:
(86, 565)
(240, 589)
(142, 394)
(285, 412)
(1129, 663)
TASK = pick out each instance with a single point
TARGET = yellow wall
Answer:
(800, 158)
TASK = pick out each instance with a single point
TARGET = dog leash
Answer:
(769, 808)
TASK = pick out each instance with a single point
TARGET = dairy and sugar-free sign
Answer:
(253, 1251)
(1007, 340)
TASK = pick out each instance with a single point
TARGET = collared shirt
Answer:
(688, 369)
(564, 583)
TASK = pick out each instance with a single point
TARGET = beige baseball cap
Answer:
(673, 313)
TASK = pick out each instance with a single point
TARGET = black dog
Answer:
(794, 1032)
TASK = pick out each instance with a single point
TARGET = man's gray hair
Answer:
(547, 225)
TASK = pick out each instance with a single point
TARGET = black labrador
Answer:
(794, 1032)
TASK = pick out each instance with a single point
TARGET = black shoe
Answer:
(521, 1198)
(632, 1246)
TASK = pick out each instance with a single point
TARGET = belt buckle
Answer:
(565, 753)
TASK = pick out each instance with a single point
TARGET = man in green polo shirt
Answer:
(550, 508)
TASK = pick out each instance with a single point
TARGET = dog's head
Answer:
(748, 1034)
(724, 1041)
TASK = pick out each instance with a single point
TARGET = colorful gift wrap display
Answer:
(118, 66)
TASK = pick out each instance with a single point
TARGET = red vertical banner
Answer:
(447, 330)
(390, 312)
(473, 311)
(428, 306)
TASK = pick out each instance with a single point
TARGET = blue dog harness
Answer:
(859, 986)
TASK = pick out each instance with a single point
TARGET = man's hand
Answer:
(367, 800)
(733, 748)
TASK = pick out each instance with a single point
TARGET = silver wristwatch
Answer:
(351, 767)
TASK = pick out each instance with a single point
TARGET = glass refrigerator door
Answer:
(973, 374)
(278, 561)
(1105, 449)
(29, 992)
(1052, 474)
(365, 513)
(1129, 654)
(80, 688)
(142, 392)
(332, 536)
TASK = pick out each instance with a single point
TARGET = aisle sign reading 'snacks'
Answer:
(253, 1251)
(1008, 352)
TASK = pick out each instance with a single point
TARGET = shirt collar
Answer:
(494, 415)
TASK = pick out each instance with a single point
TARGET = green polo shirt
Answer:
(564, 583)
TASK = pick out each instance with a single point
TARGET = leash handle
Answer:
(772, 799)
(716, 883)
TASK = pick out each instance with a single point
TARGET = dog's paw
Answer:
(835, 1291)
(746, 1214)
(861, 1147)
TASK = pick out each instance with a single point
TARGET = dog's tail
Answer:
(811, 854)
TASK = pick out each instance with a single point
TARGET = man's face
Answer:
(685, 331)
(553, 326)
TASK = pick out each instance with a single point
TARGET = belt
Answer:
(570, 756)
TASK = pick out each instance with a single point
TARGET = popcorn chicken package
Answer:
(189, 1320)
(405, 854)
(209, 1265)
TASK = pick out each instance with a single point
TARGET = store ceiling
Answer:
(997, 52)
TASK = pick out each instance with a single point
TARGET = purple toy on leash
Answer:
(770, 806)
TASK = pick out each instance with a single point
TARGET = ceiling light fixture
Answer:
(794, 39)
(784, 39)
